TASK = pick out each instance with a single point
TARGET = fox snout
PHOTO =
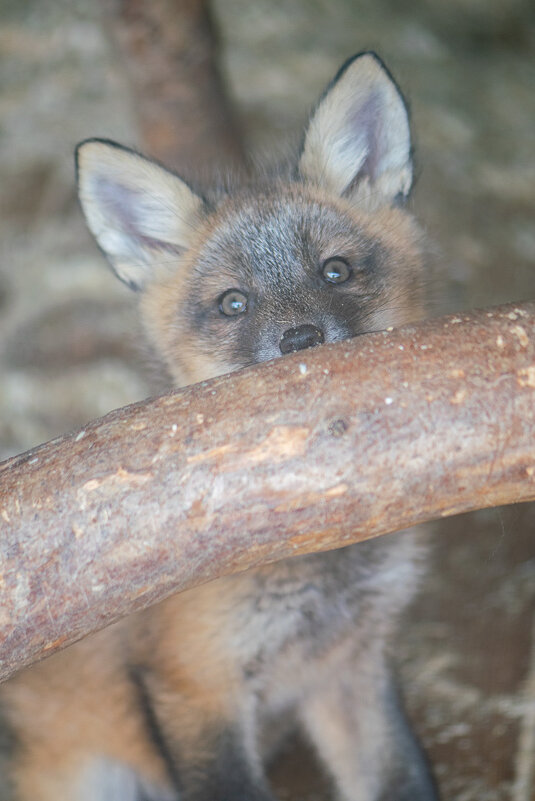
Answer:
(300, 338)
(271, 339)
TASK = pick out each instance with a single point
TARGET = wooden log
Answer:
(314, 451)
(170, 49)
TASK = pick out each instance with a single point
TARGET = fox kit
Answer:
(175, 702)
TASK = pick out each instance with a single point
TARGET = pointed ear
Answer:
(140, 214)
(358, 140)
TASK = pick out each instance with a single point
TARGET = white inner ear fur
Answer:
(358, 140)
(140, 214)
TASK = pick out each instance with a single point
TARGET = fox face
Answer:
(319, 255)
(280, 272)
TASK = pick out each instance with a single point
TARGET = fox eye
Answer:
(232, 302)
(335, 270)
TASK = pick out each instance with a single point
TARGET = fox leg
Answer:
(356, 722)
(189, 673)
(211, 756)
(224, 773)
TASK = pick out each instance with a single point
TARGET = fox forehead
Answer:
(274, 236)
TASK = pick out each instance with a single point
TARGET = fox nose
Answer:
(304, 336)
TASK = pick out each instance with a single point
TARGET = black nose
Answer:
(304, 336)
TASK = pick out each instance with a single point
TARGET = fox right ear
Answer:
(358, 140)
(141, 215)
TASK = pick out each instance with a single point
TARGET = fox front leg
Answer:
(361, 733)
(221, 771)
(210, 754)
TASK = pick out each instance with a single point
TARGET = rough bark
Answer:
(311, 452)
(171, 53)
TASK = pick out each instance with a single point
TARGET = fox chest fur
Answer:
(185, 700)
(298, 610)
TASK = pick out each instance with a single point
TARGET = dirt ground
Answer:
(68, 333)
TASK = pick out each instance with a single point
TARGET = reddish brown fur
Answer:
(81, 702)
(58, 727)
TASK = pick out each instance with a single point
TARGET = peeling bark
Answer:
(310, 452)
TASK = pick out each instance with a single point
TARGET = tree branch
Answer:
(314, 451)
(170, 49)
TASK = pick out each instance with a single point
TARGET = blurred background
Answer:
(68, 329)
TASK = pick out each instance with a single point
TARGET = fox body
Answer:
(180, 701)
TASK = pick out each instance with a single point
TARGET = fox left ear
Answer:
(141, 215)
(358, 142)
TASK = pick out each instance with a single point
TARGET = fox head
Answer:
(287, 263)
